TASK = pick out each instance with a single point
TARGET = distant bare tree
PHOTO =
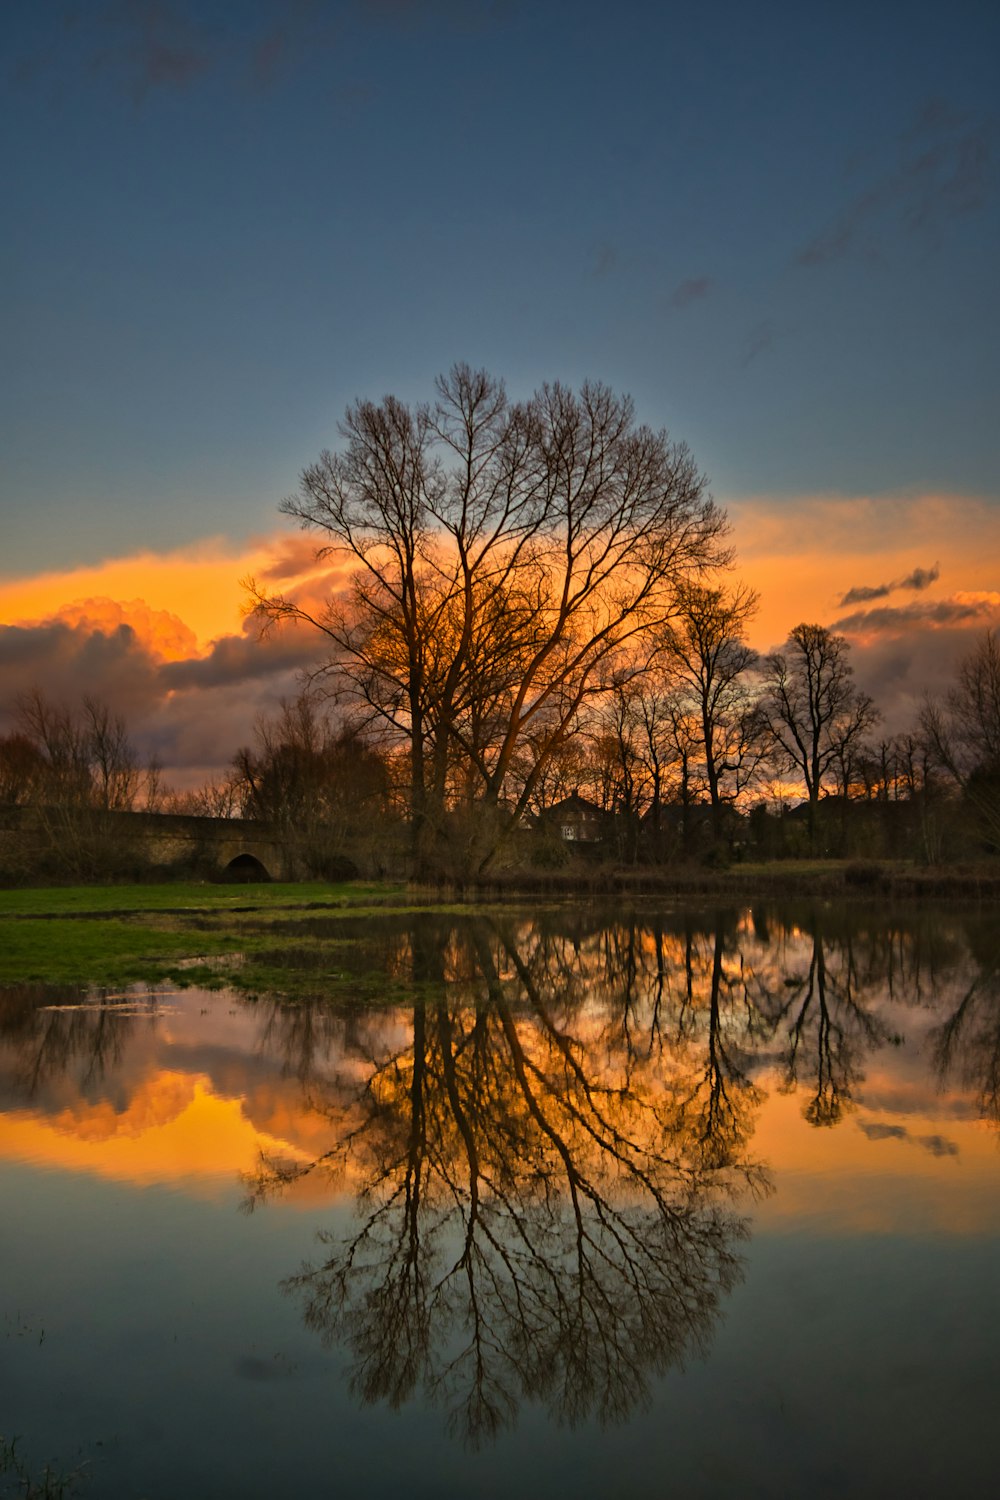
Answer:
(705, 649)
(812, 710)
(86, 767)
(962, 735)
(320, 783)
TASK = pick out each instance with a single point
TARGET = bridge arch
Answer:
(246, 869)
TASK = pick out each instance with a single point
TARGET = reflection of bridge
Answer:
(237, 848)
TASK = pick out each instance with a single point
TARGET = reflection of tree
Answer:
(828, 1023)
(43, 1040)
(968, 1041)
(536, 1217)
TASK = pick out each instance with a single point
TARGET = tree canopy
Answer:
(502, 552)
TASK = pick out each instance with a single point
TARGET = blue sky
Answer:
(775, 224)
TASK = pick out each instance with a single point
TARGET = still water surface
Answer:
(683, 1202)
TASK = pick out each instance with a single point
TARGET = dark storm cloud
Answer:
(68, 661)
(919, 579)
(901, 655)
(691, 290)
(193, 713)
(943, 170)
(240, 658)
(900, 617)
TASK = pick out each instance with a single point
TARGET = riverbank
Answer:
(300, 940)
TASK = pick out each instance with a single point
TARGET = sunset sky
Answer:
(776, 225)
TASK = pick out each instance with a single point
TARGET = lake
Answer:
(681, 1201)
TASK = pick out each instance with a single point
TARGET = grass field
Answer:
(256, 936)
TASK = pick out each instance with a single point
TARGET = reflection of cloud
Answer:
(919, 579)
(884, 1132)
(691, 290)
(941, 171)
(937, 1145)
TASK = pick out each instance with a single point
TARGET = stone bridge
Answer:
(227, 848)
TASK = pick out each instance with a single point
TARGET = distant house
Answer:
(576, 820)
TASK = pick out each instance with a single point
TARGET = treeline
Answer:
(703, 753)
(539, 655)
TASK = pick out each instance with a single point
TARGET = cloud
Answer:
(795, 549)
(197, 584)
(942, 170)
(760, 338)
(691, 290)
(162, 633)
(920, 578)
(960, 609)
(240, 658)
(291, 557)
(151, 46)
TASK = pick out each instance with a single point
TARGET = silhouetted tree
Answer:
(963, 733)
(502, 552)
(813, 712)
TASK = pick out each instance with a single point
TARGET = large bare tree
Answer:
(501, 553)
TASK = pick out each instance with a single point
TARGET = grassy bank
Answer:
(185, 933)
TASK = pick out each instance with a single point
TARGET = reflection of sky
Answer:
(194, 1095)
(142, 1325)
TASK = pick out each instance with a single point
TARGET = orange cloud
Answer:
(804, 554)
(190, 595)
(163, 634)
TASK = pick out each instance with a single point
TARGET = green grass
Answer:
(86, 900)
(263, 938)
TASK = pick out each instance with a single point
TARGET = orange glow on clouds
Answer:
(180, 601)
(802, 555)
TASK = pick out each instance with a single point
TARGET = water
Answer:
(688, 1202)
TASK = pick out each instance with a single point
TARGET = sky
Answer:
(777, 226)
